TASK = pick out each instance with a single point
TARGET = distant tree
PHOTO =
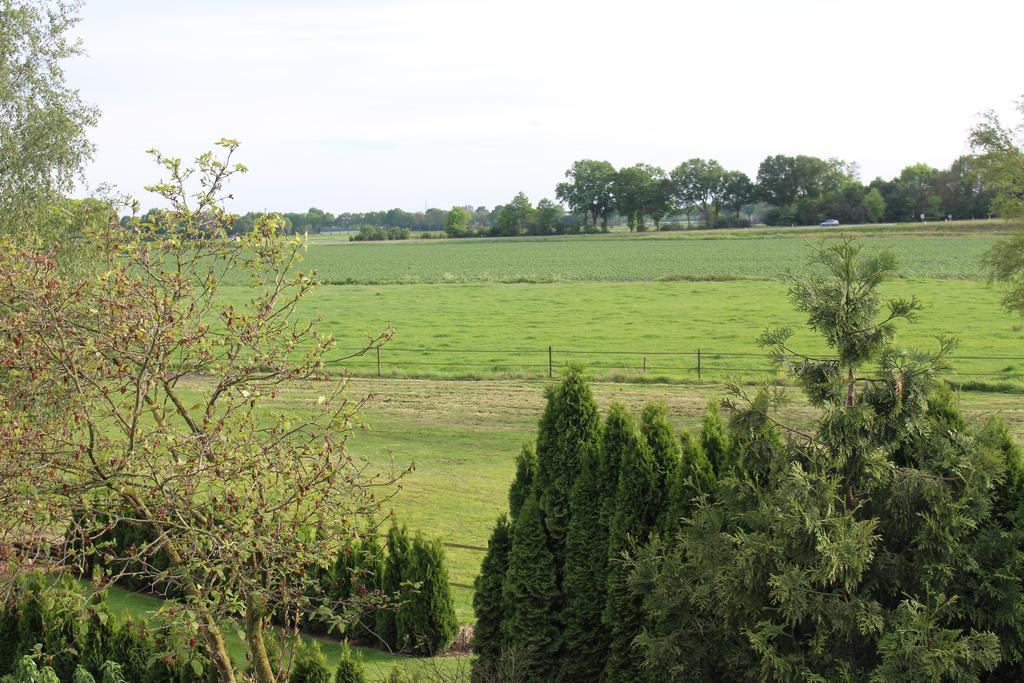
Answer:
(737, 191)
(916, 192)
(531, 592)
(699, 183)
(515, 218)
(488, 601)
(963, 190)
(526, 473)
(874, 206)
(547, 218)
(43, 121)
(633, 516)
(456, 223)
(642, 191)
(589, 191)
(1001, 160)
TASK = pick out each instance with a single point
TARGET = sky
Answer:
(371, 104)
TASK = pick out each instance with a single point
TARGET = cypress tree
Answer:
(569, 430)
(586, 581)
(664, 446)
(397, 555)
(691, 476)
(526, 474)
(715, 440)
(487, 597)
(366, 579)
(426, 618)
(619, 431)
(350, 668)
(531, 595)
(633, 517)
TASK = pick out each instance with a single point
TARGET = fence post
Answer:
(698, 365)
(645, 365)
(378, 361)
(551, 367)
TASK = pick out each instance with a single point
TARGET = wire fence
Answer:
(545, 362)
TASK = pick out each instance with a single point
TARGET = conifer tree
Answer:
(350, 668)
(488, 603)
(531, 593)
(586, 580)
(691, 477)
(664, 447)
(526, 474)
(715, 440)
(366, 580)
(634, 514)
(394, 567)
(619, 431)
(569, 430)
(426, 618)
(310, 664)
(865, 548)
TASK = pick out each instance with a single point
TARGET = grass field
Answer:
(634, 307)
(938, 250)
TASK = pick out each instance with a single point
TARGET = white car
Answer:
(830, 223)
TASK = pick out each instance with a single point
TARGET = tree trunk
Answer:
(257, 648)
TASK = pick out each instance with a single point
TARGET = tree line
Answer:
(787, 190)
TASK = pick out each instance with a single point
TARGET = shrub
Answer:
(488, 604)
(394, 568)
(426, 617)
(310, 665)
(350, 668)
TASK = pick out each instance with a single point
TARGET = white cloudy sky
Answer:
(363, 104)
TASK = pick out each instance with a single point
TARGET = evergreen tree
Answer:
(394, 567)
(691, 477)
(531, 594)
(569, 431)
(865, 548)
(310, 664)
(426, 618)
(586, 580)
(366, 580)
(634, 513)
(488, 603)
(618, 433)
(350, 668)
(715, 440)
(526, 474)
(664, 447)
